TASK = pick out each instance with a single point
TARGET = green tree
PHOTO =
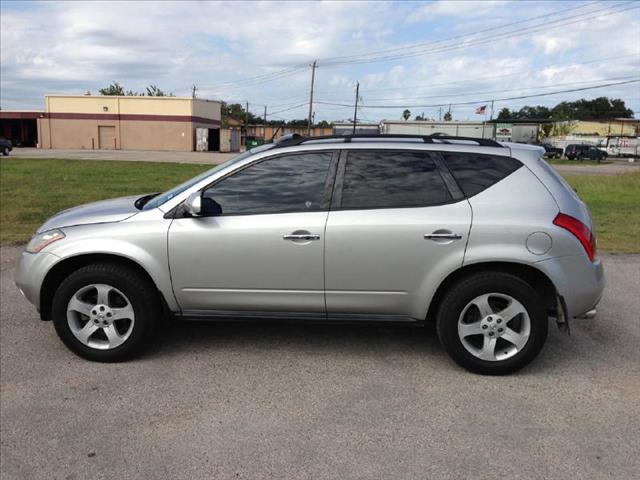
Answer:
(113, 89)
(545, 130)
(406, 114)
(237, 112)
(154, 91)
(505, 114)
(447, 117)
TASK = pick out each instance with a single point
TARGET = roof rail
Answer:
(295, 139)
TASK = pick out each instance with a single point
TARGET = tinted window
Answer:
(392, 180)
(475, 172)
(294, 183)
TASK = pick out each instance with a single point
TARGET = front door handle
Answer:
(301, 236)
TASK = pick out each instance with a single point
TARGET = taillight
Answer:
(580, 231)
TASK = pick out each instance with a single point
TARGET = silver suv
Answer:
(482, 238)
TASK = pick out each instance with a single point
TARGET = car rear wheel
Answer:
(492, 323)
(105, 312)
(5, 151)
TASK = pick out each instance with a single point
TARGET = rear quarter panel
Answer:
(513, 222)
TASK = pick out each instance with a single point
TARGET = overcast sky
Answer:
(260, 52)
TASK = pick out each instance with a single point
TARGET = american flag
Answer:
(481, 110)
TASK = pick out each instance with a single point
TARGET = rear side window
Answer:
(475, 173)
(387, 179)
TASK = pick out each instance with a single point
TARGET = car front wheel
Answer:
(5, 151)
(492, 323)
(105, 312)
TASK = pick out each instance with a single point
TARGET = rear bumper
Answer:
(578, 281)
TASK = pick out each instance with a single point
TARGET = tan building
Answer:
(129, 123)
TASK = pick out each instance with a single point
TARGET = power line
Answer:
(383, 55)
(448, 95)
(501, 36)
(513, 74)
(421, 44)
(487, 100)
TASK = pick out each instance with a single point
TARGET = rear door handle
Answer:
(301, 236)
(442, 236)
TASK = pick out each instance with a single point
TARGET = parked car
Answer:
(551, 151)
(574, 151)
(5, 146)
(482, 238)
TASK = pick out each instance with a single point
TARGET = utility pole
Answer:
(355, 110)
(491, 117)
(264, 121)
(440, 114)
(313, 78)
(246, 122)
(194, 89)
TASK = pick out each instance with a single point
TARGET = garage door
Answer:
(106, 137)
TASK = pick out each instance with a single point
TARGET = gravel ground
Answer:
(614, 168)
(126, 155)
(254, 401)
(617, 168)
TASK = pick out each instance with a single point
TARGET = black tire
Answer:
(141, 294)
(467, 289)
(5, 151)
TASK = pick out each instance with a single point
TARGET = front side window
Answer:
(290, 183)
(388, 179)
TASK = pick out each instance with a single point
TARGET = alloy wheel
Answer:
(100, 316)
(494, 327)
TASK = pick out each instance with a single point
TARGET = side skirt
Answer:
(246, 315)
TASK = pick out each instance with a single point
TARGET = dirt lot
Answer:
(276, 401)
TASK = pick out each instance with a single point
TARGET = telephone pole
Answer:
(313, 78)
(264, 121)
(355, 110)
(491, 117)
(246, 123)
(194, 89)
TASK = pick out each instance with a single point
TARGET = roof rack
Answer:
(296, 139)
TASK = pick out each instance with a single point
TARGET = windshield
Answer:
(169, 194)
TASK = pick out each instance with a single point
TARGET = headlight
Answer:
(43, 239)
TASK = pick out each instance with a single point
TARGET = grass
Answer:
(32, 190)
(614, 201)
(565, 161)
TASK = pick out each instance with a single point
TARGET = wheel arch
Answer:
(538, 280)
(64, 268)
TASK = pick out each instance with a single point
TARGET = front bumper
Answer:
(31, 270)
(578, 281)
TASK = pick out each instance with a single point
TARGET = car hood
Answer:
(104, 211)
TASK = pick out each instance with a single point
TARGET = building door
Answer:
(235, 140)
(214, 140)
(106, 137)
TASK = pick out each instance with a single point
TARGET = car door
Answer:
(396, 227)
(259, 243)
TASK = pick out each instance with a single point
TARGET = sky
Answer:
(423, 56)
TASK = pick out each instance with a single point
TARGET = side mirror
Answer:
(193, 204)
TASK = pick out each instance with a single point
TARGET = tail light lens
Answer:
(580, 231)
